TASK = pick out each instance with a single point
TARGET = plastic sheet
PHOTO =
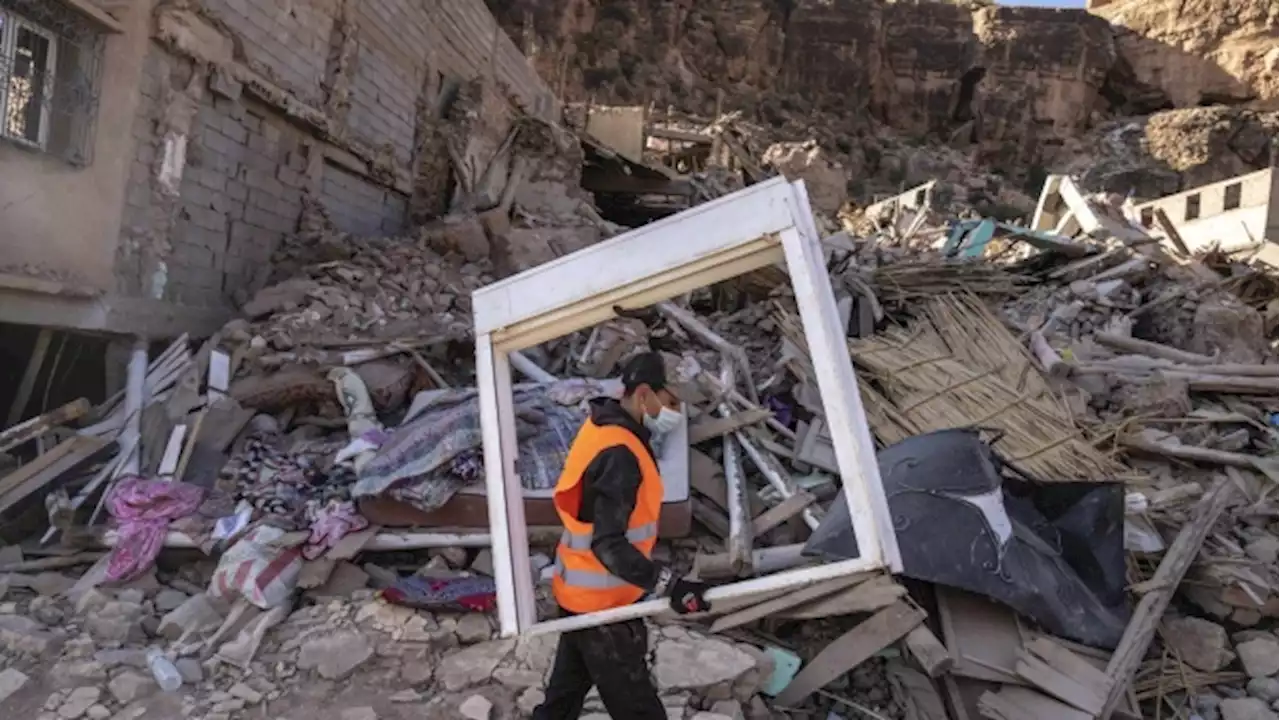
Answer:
(1055, 554)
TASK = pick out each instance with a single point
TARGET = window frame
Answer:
(14, 24)
(765, 224)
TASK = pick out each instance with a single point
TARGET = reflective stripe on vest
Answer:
(583, 542)
(580, 582)
(583, 578)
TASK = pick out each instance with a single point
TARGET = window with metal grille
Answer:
(49, 73)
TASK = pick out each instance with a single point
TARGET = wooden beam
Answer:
(782, 512)
(41, 424)
(1170, 231)
(596, 179)
(774, 605)
(710, 517)
(1146, 616)
(929, 651)
(39, 473)
(850, 650)
(1153, 349)
(714, 427)
(870, 596)
(28, 383)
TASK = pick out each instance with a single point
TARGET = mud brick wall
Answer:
(285, 41)
(360, 207)
(273, 102)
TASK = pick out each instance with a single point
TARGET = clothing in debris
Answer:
(143, 508)
(329, 524)
(436, 450)
(458, 594)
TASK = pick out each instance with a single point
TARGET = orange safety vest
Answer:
(580, 583)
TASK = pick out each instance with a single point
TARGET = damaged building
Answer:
(971, 311)
(155, 153)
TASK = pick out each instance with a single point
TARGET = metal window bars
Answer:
(50, 64)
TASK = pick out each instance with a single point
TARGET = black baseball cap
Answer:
(646, 368)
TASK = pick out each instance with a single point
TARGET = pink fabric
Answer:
(330, 524)
(143, 509)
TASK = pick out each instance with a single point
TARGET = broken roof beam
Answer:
(33, 428)
(1146, 616)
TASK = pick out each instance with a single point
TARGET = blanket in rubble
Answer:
(288, 486)
(436, 451)
(459, 594)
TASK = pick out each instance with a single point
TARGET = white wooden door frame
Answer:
(767, 223)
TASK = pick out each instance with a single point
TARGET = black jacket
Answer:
(609, 487)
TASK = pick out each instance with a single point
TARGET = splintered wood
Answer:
(957, 366)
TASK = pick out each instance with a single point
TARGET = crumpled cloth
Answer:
(329, 524)
(143, 508)
(460, 594)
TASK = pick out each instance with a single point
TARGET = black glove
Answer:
(688, 596)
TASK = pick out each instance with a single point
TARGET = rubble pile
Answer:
(1172, 150)
(1076, 429)
(348, 292)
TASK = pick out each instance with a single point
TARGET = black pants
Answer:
(614, 658)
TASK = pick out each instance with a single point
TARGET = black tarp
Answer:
(1053, 553)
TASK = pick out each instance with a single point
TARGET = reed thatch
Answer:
(956, 365)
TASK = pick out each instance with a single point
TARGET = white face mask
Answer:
(665, 422)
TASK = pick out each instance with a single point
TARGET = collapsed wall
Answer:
(248, 111)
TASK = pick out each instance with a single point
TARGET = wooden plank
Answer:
(28, 383)
(1052, 681)
(816, 448)
(775, 605)
(33, 428)
(917, 692)
(838, 386)
(782, 512)
(982, 637)
(1068, 663)
(927, 650)
(711, 517)
(1017, 703)
(707, 477)
(1146, 616)
(715, 427)
(35, 475)
(875, 594)
(224, 420)
(852, 649)
(1170, 232)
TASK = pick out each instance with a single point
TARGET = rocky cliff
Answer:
(1199, 51)
(1014, 79)
(1012, 88)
